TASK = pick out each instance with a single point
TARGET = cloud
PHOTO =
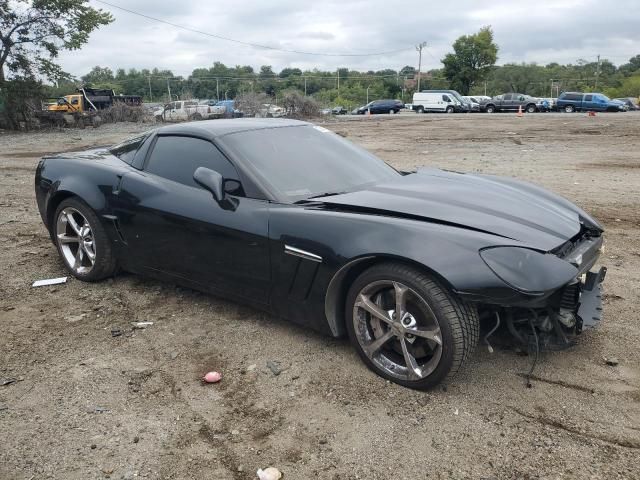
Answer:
(544, 31)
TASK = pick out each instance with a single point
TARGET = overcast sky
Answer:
(531, 31)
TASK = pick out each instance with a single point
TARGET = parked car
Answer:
(214, 110)
(182, 110)
(475, 105)
(480, 98)
(298, 221)
(339, 110)
(576, 102)
(630, 102)
(546, 104)
(439, 101)
(381, 106)
(269, 110)
(511, 102)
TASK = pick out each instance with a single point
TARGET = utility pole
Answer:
(169, 89)
(150, 95)
(419, 48)
(305, 86)
(217, 90)
(597, 73)
(338, 81)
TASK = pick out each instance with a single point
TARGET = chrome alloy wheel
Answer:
(397, 330)
(76, 242)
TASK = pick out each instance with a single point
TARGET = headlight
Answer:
(527, 270)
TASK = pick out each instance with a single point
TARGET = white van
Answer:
(443, 101)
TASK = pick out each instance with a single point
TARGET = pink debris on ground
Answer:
(212, 377)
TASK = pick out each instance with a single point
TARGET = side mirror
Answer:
(211, 180)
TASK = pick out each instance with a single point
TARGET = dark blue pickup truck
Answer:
(576, 102)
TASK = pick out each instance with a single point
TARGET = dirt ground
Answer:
(87, 405)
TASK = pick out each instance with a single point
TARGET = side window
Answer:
(446, 98)
(74, 101)
(588, 98)
(521, 98)
(176, 158)
(507, 97)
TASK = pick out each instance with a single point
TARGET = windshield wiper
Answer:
(326, 194)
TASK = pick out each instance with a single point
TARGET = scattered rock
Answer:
(3, 407)
(251, 367)
(7, 381)
(93, 446)
(611, 361)
(141, 325)
(136, 439)
(274, 367)
(270, 473)
(75, 318)
(235, 432)
(116, 332)
(173, 355)
(240, 468)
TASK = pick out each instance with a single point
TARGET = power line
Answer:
(250, 44)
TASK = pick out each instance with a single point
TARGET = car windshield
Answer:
(298, 163)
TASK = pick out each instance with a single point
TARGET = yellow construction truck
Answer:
(83, 107)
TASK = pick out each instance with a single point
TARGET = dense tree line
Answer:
(349, 87)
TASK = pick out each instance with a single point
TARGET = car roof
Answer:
(220, 127)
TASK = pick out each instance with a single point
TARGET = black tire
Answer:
(450, 109)
(105, 264)
(531, 108)
(458, 321)
(420, 110)
(490, 109)
(569, 108)
(196, 117)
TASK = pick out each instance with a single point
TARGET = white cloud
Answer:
(543, 32)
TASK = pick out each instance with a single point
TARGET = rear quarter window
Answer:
(126, 151)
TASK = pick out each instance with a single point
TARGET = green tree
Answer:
(473, 57)
(99, 75)
(32, 34)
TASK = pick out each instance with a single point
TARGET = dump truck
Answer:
(83, 107)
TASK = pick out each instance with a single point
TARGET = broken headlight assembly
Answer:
(528, 271)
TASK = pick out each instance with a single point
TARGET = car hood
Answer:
(499, 206)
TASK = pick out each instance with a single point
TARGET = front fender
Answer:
(346, 240)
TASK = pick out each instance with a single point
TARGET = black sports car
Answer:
(298, 221)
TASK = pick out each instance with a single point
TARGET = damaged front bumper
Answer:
(589, 312)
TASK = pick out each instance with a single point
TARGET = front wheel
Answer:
(407, 328)
(569, 108)
(531, 109)
(82, 241)
(449, 109)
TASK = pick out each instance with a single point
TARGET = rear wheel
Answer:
(569, 108)
(392, 111)
(420, 110)
(407, 328)
(82, 241)
(531, 108)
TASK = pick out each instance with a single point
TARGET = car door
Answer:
(444, 102)
(507, 102)
(590, 103)
(173, 227)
